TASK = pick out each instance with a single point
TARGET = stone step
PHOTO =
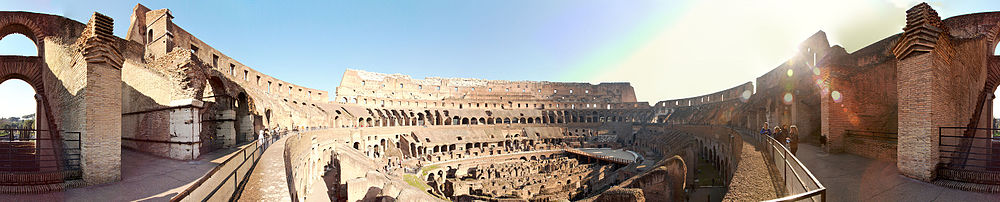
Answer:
(967, 186)
(31, 189)
(37, 178)
(969, 176)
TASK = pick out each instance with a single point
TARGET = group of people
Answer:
(265, 134)
(787, 135)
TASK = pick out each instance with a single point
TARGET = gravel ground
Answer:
(751, 181)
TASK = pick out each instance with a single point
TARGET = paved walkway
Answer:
(849, 177)
(751, 181)
(616, 153)
(268, 181)
(144, 177)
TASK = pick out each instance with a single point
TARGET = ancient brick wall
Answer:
(861, 95)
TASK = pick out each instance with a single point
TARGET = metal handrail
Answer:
(960, 151)
(819, 191)
(771, 146)
(258, 147)
(65, 152)
(880, 135)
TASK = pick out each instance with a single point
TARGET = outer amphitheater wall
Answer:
(743, 91)
(357, 84)
(181, 99)
(164, 31)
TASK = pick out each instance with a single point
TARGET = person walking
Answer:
(764, 132)
(776, 133)
(793, 138)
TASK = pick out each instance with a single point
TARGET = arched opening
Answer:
(413, 149)
(995, 105)
(437, 118)
(18, 44)
(24, 137)
(220, 103)
(267, 118)
(244, 121)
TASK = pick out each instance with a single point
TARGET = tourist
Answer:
(822, 141)
(793, 139)
(765, 131)
(776, 132)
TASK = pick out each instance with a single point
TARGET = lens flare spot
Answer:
(790, 72)
(746, 95)
(836, 96)
(816, 71)
(789, 98)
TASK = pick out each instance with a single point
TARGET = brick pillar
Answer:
(918, 148)
(102, 94)
(920, 96)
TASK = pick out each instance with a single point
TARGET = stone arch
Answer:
(244, 119)
(24, 28)
(30, 69)
(267, 118)
(40, 135)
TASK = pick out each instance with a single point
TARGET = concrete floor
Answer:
(144, 178)
(849, 177)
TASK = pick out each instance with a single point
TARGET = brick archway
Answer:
(30, 69)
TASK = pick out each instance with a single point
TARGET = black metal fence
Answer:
(980, 151)
(888, 137)
(39, 151)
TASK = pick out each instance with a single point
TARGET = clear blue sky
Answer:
(643, 41)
